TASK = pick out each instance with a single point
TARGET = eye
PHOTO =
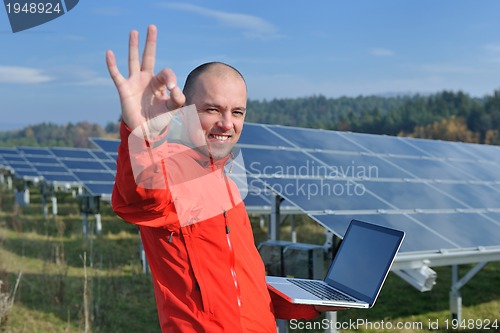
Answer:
(212, 110)
(238, 113)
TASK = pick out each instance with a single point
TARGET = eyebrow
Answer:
(217, 106)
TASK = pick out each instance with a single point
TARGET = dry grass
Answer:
(50, 294)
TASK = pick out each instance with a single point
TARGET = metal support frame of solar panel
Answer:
(401, 163)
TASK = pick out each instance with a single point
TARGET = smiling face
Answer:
(220, 97)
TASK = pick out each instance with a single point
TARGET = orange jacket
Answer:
(208, 276)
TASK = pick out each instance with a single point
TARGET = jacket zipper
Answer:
(171, 237)
(232, 262)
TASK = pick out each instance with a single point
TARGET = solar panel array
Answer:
(444, 195)
(64, 167)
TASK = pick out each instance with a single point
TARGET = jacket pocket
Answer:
(200, 285)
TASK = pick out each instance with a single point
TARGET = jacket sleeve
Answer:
(140, 194)
(286, 310)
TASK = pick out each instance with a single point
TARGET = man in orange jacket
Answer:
(207, 274)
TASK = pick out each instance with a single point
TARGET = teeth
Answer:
(220, 137)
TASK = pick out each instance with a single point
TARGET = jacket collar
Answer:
(203, 160)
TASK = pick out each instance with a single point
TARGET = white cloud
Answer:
(63, 74)
(381, 52)
(76, 75)
(252, 26)
(23, 75)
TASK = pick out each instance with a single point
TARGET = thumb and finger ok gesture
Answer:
(143, 95)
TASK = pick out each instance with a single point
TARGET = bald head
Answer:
(217, 69)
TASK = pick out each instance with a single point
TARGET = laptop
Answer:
(356, 274)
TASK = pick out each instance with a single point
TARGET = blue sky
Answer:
(56, 72)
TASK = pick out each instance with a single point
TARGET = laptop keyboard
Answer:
(322, 291)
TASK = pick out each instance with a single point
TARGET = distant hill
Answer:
(49, 134)
(446, 115)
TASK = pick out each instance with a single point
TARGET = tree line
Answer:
(55, 135)
(453, 116)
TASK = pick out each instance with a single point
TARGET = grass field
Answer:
(55, 294)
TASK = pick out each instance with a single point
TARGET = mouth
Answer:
(219, 137)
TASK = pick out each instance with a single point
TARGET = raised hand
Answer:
(143, 95)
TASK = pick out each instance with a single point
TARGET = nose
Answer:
(225, 122)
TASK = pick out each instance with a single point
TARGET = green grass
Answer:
(49, 252)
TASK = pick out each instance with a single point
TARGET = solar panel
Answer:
(50, 168)
(88, 176)
(60, 178)
(325, 195)
(426, 168)
(410, 195)
(102, 155)
(92, 168)
(483, 152)
(100, 189)
(473, 195)
(418, 236)
(359, 166)
(62, 166)
(111, 166)
(383, 144)
(260, 161)
(315, 139)
(47, 166)
(83, 164)
(8, 151)
(15, 159)
(18, 164)
(107, 145)
(26, 173)
(441, 149)
(72, 153)
(419, 186)
(33, 151)
(257, 134)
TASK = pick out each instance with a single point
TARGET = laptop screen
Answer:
(364, 259)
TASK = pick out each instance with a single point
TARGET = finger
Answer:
(134, 64)
(177, 99)
(148, 57)
(166, 79)
(113, 69)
